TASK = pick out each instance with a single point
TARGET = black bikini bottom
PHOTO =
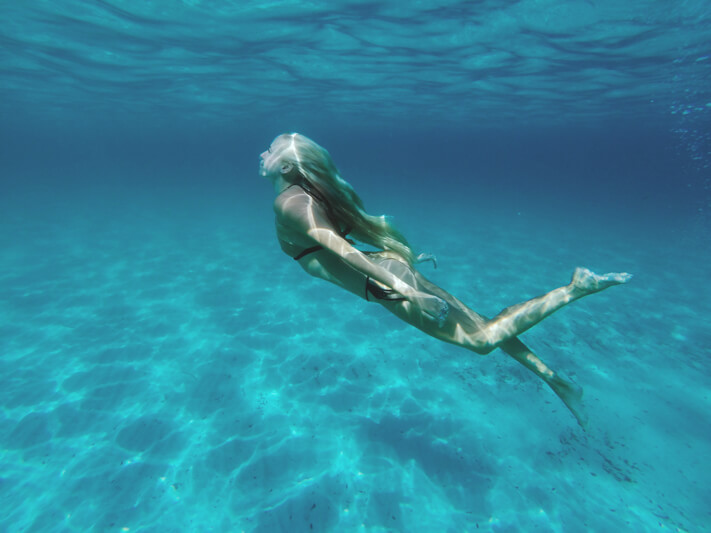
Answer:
(381, 293)
(308, 251)
(372, 287)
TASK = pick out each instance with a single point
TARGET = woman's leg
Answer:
(464, 326)
(467, 328)
(516, 319)
(463, 320)
(569, 392)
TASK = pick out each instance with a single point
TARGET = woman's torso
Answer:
(319, 263)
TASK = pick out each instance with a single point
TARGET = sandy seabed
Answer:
(159, 375)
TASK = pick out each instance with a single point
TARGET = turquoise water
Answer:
(165, 367)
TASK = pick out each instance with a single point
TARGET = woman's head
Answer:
(293, 155)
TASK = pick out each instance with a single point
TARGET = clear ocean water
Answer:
(165, 367)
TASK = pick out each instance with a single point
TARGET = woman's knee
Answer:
(466, 331)
(480, 343)
(482, 348)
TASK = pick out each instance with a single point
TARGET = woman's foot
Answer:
(572, 396)
(587, 282)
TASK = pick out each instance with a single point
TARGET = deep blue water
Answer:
(165, 367)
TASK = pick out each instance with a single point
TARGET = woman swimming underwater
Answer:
(317, 215)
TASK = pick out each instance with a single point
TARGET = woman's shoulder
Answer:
(289, 198)
(295, 207)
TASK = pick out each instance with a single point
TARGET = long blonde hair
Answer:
(314, 165)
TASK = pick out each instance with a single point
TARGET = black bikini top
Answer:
(316, 195)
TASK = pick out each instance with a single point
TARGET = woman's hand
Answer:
(426, 257)
(433, 307)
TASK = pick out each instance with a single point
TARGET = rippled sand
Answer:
(159, 375)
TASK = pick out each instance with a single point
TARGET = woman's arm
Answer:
(301, 213)
(433, 307)
(336, 244)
